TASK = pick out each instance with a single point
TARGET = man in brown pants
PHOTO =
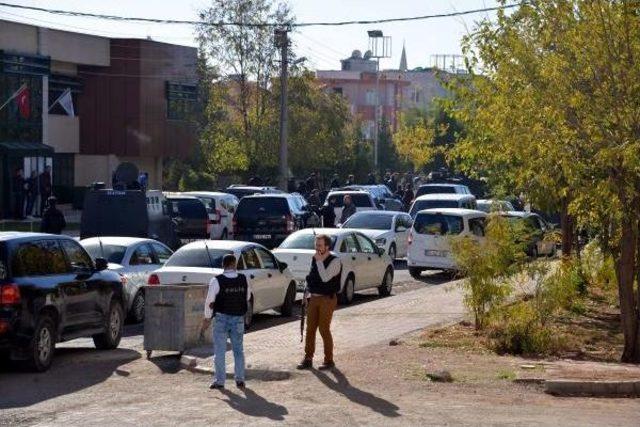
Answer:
(323, 285)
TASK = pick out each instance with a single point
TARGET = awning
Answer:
(25, 149)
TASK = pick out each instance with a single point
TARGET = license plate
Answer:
(430, 252)
(262, 236)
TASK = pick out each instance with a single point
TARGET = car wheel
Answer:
(393, 252)
(346, 296)
(225, 234)
(137, 308)
(384, 290)
(415, 272)
(110, 338)
(289, 299)
(248, 317)
(42, 344)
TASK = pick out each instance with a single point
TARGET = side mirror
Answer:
(101, 264)
(282, 266)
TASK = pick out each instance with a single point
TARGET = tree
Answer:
(552, 110)
(415, 138)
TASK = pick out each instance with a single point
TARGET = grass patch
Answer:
(506, 375)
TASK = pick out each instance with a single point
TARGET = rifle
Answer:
(303, 312)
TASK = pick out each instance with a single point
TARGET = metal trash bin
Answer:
(173, 318)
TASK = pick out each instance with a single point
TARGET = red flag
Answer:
(23, 103)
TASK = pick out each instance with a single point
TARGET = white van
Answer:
(429, 247)
(441, 200)
(220, 207)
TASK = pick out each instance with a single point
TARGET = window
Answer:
(249, 207)
(476, 225)
(77, 256)
(39, 258)
(143, 255)
(337, 90)
(435, 189)
(371, 98)
(303, 241)
(437, 224)
(369, 221)
(251, 259)
(112, 253)
(419, 205)
(162, 253)
(366, 245)
(181, 101)
(197, 257)
(63, 177)
(268, 261)
(349, 244)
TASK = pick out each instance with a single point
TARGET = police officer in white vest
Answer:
(227, 299)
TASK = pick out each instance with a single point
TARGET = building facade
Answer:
(131, 100)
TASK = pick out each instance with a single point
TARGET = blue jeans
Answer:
(233, 327)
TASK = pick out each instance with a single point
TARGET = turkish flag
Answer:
(23, 103)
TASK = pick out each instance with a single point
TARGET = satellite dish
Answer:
(356, 54)
(368, 54)
(126, 173)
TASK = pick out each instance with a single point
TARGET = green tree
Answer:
(552, 110)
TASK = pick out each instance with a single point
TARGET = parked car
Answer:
(220, 207)
(271, 281)
(429, 247)
(490, 205)
(382, 196)
(388, 229)
(241, 191)
(269, 218)
(190, 217)
(434, 201)
(362, 199)
(133, 213)
(134, 258)
(364, 265)
(442, 189)
(536, 229)
(51, 291)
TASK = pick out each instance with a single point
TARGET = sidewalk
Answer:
(353, 328)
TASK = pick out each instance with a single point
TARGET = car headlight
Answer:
(381, 242)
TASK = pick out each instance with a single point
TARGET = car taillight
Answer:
(291, 225)
(9, 294)
(410, 238)
(153, 280)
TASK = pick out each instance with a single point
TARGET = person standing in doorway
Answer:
(323, 285)
(227, 299)
(32, 192)
(45, 187)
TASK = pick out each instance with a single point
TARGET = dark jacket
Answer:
(53, 221)
(347, 211)
(328, 215)
(232, 298)
(315, 285)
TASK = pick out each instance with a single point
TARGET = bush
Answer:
(599, 271)
(518, 330)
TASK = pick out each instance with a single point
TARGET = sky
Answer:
(322, 46)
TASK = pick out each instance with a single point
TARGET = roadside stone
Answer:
(394, 342)
(443, 376)
(527, 366)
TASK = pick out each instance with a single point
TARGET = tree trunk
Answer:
(625, 272)
(567, 226)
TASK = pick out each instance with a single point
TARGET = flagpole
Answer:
(16, 93)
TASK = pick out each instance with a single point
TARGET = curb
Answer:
(593, 388)
(190, 363)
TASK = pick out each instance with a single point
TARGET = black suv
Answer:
(241, 191)
(269, 218)
(51, 291)
(190, 217)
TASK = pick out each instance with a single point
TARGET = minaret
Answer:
(403, 59)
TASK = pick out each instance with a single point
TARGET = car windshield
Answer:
(435, 189)
(112, 253)
(190, 208)
(197, 257)
(438, 224)
(303, 241)
(359, 199)
(369, 222)
(432, 204)
(249, 207)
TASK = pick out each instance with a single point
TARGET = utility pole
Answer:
(282, 41)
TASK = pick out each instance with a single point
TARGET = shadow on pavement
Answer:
(341, 385)
(437, 278)
(73, 369)
(252, 404)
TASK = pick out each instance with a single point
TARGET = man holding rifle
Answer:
(323, 285)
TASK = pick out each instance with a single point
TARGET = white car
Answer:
(362, 199)
(220, 207)
(429, 247)
(489, 205)
(135, 258)
(272, 283)
(364, 265)
(388, 229)
(443, 188)
(439, 201)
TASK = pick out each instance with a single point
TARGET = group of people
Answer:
(25, 192)
(227, 301)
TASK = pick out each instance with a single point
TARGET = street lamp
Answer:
(380, 47)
